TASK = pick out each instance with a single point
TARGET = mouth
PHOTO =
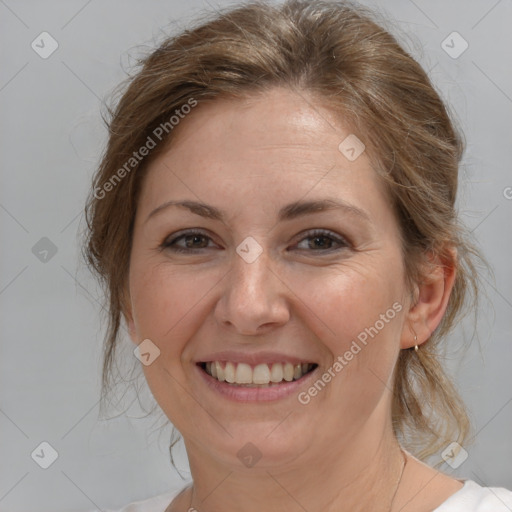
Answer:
(256, 376)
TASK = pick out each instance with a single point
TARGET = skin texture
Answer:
(302, 296)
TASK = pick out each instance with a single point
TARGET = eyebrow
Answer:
(288, 212)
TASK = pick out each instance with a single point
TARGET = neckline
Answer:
(466, 484)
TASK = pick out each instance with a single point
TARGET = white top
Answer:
(470, 498)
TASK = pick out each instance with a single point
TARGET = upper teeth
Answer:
(242, 373)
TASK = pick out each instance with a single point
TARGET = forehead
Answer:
(272, 147)
(278, 119)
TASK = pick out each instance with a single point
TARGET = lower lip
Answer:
(244, 394)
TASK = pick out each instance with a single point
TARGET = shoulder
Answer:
(475, 498)
(154, 504)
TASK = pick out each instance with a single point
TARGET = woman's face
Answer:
(260, 280)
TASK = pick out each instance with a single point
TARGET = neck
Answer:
(361, 473)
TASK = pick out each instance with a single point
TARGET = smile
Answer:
(258, 376)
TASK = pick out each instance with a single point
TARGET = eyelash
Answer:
(315, 233)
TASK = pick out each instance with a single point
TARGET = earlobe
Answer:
(433, 294)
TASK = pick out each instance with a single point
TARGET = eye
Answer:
(322, 240)
(194, 240)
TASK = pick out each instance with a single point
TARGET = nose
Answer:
(254, 297)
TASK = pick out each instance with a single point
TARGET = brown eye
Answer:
(322, 240)
(193, 240)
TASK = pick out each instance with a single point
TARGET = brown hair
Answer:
(337, 53)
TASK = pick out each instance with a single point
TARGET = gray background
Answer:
(51, 139)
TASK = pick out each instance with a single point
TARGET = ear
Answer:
(432, 295)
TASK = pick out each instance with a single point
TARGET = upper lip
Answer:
(253, 359)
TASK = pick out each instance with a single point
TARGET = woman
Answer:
(274, 220)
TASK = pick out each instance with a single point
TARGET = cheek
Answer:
(169, 302)
(167, 306)
(161, 297)
(348, 301)
(358, 316)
